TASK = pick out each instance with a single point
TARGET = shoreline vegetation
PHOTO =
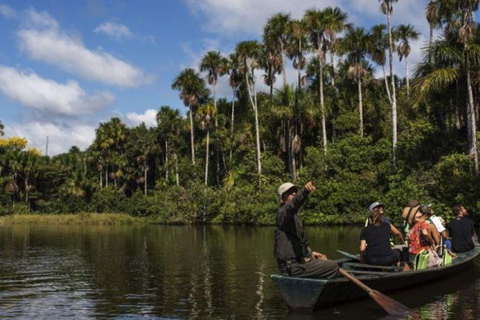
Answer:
(71, 219)
(359, 134)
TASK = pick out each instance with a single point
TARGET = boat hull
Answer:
(306, 294)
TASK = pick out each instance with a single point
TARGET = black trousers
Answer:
(315, 268)
(389, 260)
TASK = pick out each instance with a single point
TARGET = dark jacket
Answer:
(290, 243)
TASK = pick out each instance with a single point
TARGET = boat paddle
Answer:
(391, 306)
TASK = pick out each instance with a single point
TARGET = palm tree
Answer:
(357, 44)
(405, 33)
(316, 21)
(271, 62)
(248, 53)
(275, 33)
(2, 128)
(213, 62)
(192, 90)
(380, 45)
(298, 43)
(335, 23)
(231, 67)
(207, 112)
(386, 7)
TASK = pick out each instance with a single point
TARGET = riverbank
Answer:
(72, 219)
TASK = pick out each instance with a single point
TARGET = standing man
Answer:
(461, 230)
(294, 256)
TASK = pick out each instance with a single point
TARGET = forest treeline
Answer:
(358, 136)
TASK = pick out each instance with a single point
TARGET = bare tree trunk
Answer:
(472, 124)
(100, 180)
(231, 129)
(217, 140)
(192, 144)
(406, 77)
(283, 64)
(322, 102)
(106, 177)
(387, 86)
(360, 105)
(253, 99)
(166, 160)
(392, 78)
(145, 178)
(206, 156)
(176, 168)
(332, 62)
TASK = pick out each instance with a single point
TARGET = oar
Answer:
(388, 304)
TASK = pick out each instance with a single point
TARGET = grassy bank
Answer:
(71, 219)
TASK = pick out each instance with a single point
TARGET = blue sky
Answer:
(66, 66)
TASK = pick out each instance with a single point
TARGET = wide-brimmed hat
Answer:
(285, 187)
(410, 211)
(374, 205)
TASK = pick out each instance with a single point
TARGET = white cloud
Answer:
(115, 30)
(149, 117)
(247, 17)
(46, 95)
(8, 12)
(41, 38)
(60, 137)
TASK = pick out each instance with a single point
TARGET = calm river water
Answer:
(190, 272)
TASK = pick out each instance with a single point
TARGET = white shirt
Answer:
(438, 224)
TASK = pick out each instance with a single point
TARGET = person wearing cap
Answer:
(380, 206)
(375, 239)
(461, 230)
(294, 256)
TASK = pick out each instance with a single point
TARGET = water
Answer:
(125, 272)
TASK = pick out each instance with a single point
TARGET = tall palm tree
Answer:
(206, 112)
(356, 44)
(271, 62)
(248, 53)
(213, 62)
(380, 45)
(405, 33)
(386, 6)
(316, 21)
(275, 33)
(336, 22)
(231, 67)
(298, 43)
(192, 90)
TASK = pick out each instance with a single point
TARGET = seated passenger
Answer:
(461, 230)
(394, 231)
(419, 235)
(375, 241)
(432, 221)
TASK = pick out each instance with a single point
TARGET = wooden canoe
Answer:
(308, 294)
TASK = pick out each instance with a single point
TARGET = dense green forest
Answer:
(359, 137)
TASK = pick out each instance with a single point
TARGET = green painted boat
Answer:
(308, 294)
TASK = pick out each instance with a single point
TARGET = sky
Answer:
(66, 66)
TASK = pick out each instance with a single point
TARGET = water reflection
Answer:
(182, 272)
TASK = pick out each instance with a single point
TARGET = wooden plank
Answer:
(371, 266)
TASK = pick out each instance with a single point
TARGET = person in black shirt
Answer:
(461, 230)
(294, 256)
(375, 241)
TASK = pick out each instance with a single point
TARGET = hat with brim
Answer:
(374, 205)
(286, 187)
(409, 213)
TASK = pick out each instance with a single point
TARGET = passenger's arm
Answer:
(396, 233)
(363, 247)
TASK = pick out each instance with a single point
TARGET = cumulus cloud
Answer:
(247, 17)
(61, 137)
(46, 95)
(149, 117)
(115, 30)
(41, 38)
